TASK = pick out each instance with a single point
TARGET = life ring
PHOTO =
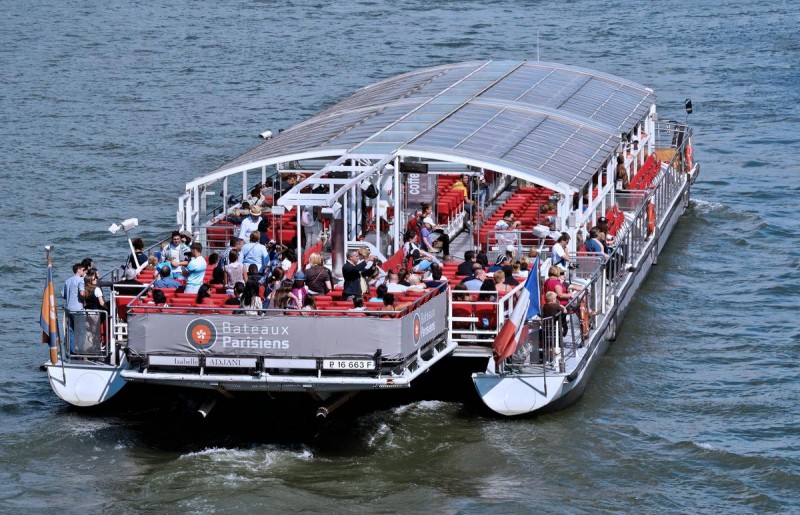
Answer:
(689, 154)
(583, 316)
(651, 218)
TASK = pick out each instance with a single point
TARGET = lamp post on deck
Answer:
(127, 225)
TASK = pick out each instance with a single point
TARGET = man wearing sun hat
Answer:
(250, 223)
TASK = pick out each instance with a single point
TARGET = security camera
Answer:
(265, 135)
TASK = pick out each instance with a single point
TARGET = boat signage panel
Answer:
(348, 364)
(224, 362)
(286, 336)
(174, 361)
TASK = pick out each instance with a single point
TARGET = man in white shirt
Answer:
(250, 223)
(507, 228)
(560, 254)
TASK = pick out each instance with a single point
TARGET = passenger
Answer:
(509, 279)
(462, 186)
(93, 294)
(402, 277)
(507, 228)
(213, 260)
(465, 268)
(390, 304)
(152, 263)
(461, 293)
(380, 292)
(437, 230)
(525, 267)
(299, 287)
(358, 304)
(263, 229)
(623, 181)
(393, 283)
(318, 277)
(250, 224)
(552, 309)
(234, 272)
(236, 244)
(93, 300)
(602, 225)
(204, 296)
(73, 293)
(251, 303)
(236, 298)
(159, 299)
(502, 260)
(500, 283)
(560, 254)
(254, 253)
(415, 283)
(217, 277)
(555, 284)
(436, 278)
(138, 258)
(483, 259)
(186, 238)
(253, 273)
(351, 272)
(165, 279)
(274, 281)
(488, 291)
(129, 285)
(420, 259)
(474, 282)
(283, 298)
(309, 303)
(174, 252)
(594, 245)
(195, 268)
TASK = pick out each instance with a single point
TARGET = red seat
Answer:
(462, 311)
(487, 315)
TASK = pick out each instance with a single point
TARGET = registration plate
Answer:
(348, 364)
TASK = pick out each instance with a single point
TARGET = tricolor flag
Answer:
(514, 329)
(48, 319)
(532, 285)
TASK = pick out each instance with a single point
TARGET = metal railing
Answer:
(87, 334)
(477, 322)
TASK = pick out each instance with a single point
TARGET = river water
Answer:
(108, 108)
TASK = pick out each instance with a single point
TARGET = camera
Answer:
(573, 266)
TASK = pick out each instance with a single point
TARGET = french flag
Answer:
(515, 329)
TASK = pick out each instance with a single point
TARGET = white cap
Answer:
(511, 248)
(427, 220)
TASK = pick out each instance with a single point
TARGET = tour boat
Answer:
(474, 140)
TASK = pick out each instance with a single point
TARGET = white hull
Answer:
(85, 383)
(521, 393)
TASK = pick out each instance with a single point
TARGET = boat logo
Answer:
(201, 334)
(417, 329)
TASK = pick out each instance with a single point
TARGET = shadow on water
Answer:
(167, 419)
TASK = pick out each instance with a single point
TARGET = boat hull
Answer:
(85, 383)
(522, 393)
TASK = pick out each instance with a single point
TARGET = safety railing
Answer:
(473, 321)
(87, 334)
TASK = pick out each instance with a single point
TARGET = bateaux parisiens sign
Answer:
(286, 336)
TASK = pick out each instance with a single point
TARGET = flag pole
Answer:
(48, 318)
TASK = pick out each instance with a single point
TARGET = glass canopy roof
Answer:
(542, 121)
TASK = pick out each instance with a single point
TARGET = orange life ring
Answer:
(583, 316)
(651, 218)
(689, 153)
